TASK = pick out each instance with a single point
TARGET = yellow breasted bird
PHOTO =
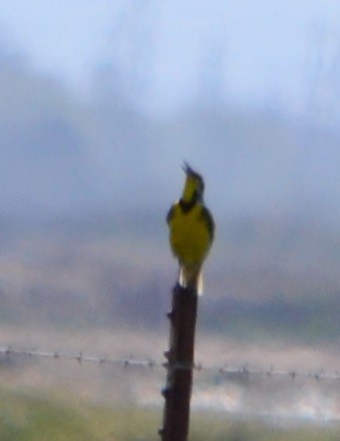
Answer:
(191, 231)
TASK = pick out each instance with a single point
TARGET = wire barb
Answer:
(149, 363)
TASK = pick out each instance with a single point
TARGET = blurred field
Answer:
(278, 400)
(33, 416)
(265, 279)
(272, 301)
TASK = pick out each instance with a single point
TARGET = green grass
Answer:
(26, 418)
(215, 428)
(32, 417)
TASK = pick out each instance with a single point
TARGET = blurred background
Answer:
(101, 102)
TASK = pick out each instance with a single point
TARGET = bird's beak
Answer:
(186, 168)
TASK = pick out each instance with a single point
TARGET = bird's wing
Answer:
(207, 216)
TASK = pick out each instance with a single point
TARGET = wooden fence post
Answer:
(180, 363)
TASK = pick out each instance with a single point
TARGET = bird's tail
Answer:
(191, 278)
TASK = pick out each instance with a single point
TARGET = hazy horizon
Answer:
(99, 113)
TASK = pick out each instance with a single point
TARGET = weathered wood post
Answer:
(180, 364)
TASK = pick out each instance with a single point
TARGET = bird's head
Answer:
(194, 185)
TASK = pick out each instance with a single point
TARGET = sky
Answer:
(274, 65)
(263, 50)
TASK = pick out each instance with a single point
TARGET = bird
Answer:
(191, 231)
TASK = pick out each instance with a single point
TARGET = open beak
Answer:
(187, 169)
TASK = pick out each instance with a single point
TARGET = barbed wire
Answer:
(245, 369)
